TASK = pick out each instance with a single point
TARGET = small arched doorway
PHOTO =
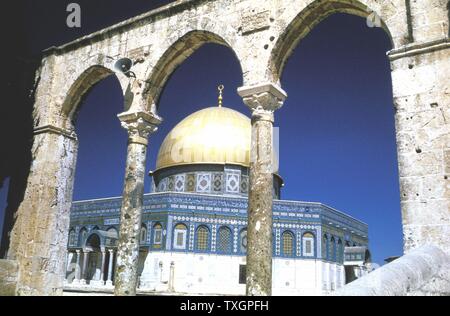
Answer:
(93, 255)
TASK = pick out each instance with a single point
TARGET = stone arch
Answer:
(78, 86)
(94, 240)
(305, 21)
(177, 52)
(92, 249)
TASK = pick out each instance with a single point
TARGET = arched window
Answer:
(157, 235)
(82, 236)
(72, 238)
(179, 236)
(224, 241)
(202, 243)
(143, 238)
(332, 249)
(308, 244)
(243, 240)
(288, 243)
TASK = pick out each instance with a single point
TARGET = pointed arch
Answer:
(224, 240)
(78, 86)
(287, 243)
(180, 232)
(304, 22)
(180, 49)
(202, 236)
(308, 244)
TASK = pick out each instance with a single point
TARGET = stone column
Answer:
(172, 277)
(263, 100)
(420, 80)
(77, 268)
(85, 264)
(69, 257)
(102, 268)
(110, 267)
(40, 233)
(139, 125)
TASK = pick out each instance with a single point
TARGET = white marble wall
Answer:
(216, 274)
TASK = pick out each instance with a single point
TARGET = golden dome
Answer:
(215, 135)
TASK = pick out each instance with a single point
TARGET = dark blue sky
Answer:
(337, 139)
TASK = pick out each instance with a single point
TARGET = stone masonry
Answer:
(262, 34)
(139, 126)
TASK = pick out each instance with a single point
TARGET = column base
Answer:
(109, 283)
(82, 282)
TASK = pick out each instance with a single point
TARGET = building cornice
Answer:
(166, 10)
(418, 49)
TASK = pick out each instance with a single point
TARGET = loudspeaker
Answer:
(124, 65)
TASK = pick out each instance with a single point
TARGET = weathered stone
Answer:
(262, 36)
(139, 125)
(423, 136)
(8, 277)
(263, 100)
(39, 239)
(424, 270)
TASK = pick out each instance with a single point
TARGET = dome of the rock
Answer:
(215, 135)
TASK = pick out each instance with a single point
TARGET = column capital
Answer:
(139, 125)
(263, 99)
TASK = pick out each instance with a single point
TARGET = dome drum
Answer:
(207, 179)
(208, 152)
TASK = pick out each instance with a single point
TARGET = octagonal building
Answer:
(193, 236)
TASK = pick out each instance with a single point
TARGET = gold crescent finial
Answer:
(220, 88)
